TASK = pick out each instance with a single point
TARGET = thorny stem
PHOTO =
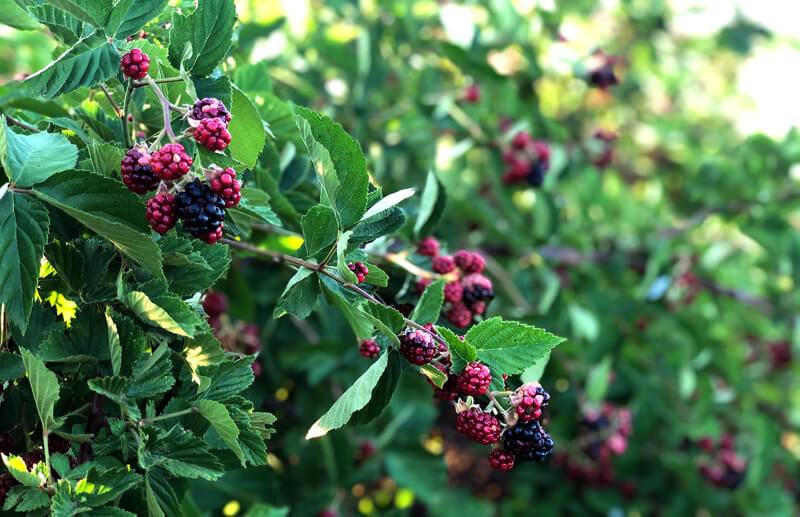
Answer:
(282, 258)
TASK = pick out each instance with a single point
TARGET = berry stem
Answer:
(138, 84)
(166, 416)
(166, 106)
(126, 106)
(111, 100)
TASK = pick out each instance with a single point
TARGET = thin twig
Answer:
(126, 134)
(24, 125)
(139, 84)
(114, 104)
(400, 260)
(165, 108)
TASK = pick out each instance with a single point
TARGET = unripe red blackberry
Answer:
(136, 172)
(135, 64)
(528, 441)
(529, 400)
(215, 303)
(369, 348)
(224, 183)
(474, 380)
(521, 140)
(443, 264)
(469, 261)
(160, 212)
(418, 346)
(212, 133)
(201, 210)
(459, 315)
(453, 291)
(170, 162)
(479, 426)
(477, 288)
(428, 246)
(210, 108)
(359, 269)
(501, 460)
(472, 94)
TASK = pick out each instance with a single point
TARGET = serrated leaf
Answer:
(430, 304)
(30, 159)
(341, 261)
(114, 347)
(210, 264)
(33, 500)
(105, 158)
(361, 325)
(254, 209)
(160, 496)
(24, 226)
(19, 470)
(509, 346)
(431, 206)
(128, 16)
(203, 350)
(99, 488)
(94, 12)
(62, 24)
(355, 398)
(227, 379)
(221, 421)
(382, 394)
(44, 385)
(348, 194)
(106, 207)
(15, 16)
(534, 372)
(209, 31)
(152, 375)
(461, 352)
(246, 128)
(299, 296)
(319, 228)
(63, 503)
(391, 317)
(11, 366)
(167, 312)
(389, 201)
(90, 61)
(181, 453)
(116, 389)
(378, 225)
(217, 87)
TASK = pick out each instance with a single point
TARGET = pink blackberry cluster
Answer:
(722, 465)
(468, 291)
(135, 64)
(235, 336)
(529, 400)
(527, 160)
(209, 119)
(359, 269)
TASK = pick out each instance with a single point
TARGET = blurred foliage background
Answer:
(668, 256)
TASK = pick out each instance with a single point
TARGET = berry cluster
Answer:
(359, 269)
(135, 64)
(209, 120)
(238, 336)
(468, 291)
(526, 159)
(723, 467)
(369, 348)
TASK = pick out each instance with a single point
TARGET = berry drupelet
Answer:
(359, 269)
(210, 108)
(418, 346)
(201, 210)
(170, 162)
(528, 441)
(212, 133)
(474, 380)
(369, 348)
(479, 426)
(135, 64)
(160, 212)
(501, 460)
(224, 183)
(136, 172)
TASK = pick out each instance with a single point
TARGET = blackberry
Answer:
(210, 108)
(369, 349)
(472, 94)
(170, 162)
(359, 269)
(201, 210)
(215, 303)
(528, 441)
(469, 261)
(474, 380)
(136, 172)
(443, 264)
(479, 426)
(453, 292)
(521, 140)
(536, 172)
(459, 315)
(212, 133)
(135, 64)
(604, 76)
(529, 400)
(428, 246)
(477, 288)
(160, 212)
(501, 460)
(418, 346)
(224, 183)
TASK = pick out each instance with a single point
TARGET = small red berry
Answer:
(418, 346)
(224, 183)
(477, 288)
(529, 400)
(213, 236)
(369, 348)
(479, 426)
(474, 380)
(501, 460)
(160, 212)
(459, 315)
(521, 140)
(453, 292)
(469, 261)
(135, 64)
(472, 94)
(170, 162)
(359, 269)
(428, 246)
(212, 133)
(215, 303)
(443, 264)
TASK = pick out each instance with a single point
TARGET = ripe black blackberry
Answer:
(136, 172)
(536, 173)
(201, 210)
(418, 346)
(528, 441)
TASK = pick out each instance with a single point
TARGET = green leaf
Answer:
(431, 206)
(378, 225)
(11, 366)
(227, 379)
(90, 61)
(509, 346)
(30, 159)
(128, 16)
(209, 31)
(319, 228)
(152, 375)
(114, 347)
(15, 16)
(341, 260)
(33, 500)
(94, 12)
(348, 195)
(105, 158)
(106, 207)
(99, 488)
(179, 452)
(193, 266)
(44, 385)
(376, 276)
(253, 209)
(534, 372)
(361, 325)
(299, 295)
(221, 421)
(62, 24)
(461, 352)
(116, 390)
(159, 494)
(215, 87)
(355, 398)
(247, 130)
(433, 374)
(24, 226)
(63, 503)
(382, 393)
(430, 304)
(388, 202)
(19, 470)
(167, 312)
(389, 316)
